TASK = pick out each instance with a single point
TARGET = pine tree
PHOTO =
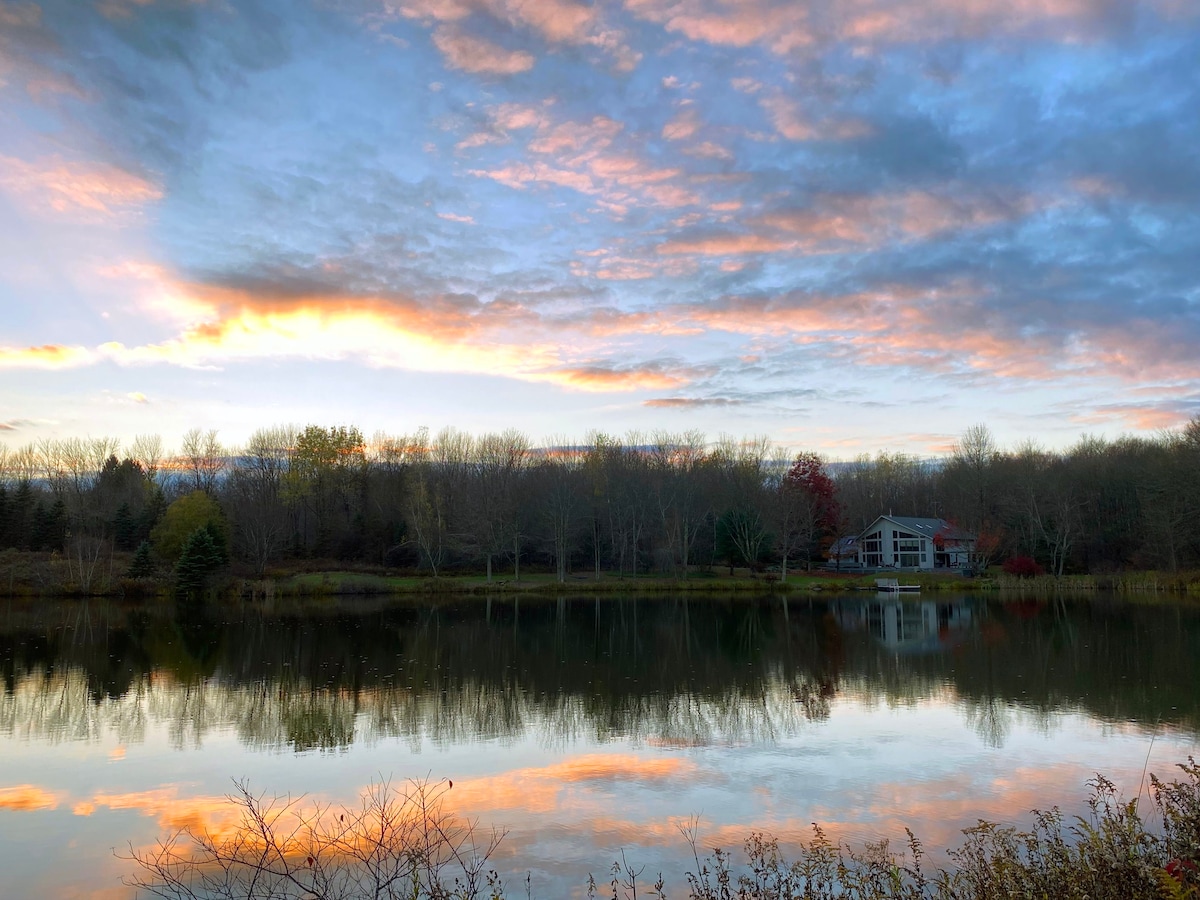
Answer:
(200, 557)
(143, 562)
(124, 528)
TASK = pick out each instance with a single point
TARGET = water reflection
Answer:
(906, 626)
(668, 672)
(583, 725)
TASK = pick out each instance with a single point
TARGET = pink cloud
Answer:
(474, 54)
(683, 126)
(784, 26)
(554, 21)
(726, 245)
(582, 157)
(53, 184)
(709, 150)
(790, 121)
(577, 137)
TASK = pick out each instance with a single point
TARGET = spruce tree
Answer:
(143, 562)
(199, 558)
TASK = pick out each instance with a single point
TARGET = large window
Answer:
(872, 549)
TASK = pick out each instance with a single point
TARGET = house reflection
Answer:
(907, 626)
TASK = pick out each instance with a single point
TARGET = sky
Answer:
(846, 226)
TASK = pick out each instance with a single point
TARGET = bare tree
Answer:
(147, 451)
(203, 458)
(255, 490)
(398, 843)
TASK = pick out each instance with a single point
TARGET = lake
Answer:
(585, 727)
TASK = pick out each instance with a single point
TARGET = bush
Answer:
(396, 843)
(1023, 567)
(401, 843)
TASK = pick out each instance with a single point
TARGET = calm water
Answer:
(584, 727)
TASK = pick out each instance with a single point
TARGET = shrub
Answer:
(1023, 567)
(401, 843)
(397, 843)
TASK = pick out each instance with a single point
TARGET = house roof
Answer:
(929, 527)
(844, 546)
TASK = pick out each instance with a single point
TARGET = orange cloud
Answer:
(47, 356)
(541, 789)
(474, 54)
(74, 187)
(27, 798)
(450, 333)
(600, 378)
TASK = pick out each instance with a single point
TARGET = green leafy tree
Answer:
(182, 518)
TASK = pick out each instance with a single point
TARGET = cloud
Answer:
(455, 217)
(726, 245)
(15, 424)
(912, 214)
(582, 157)
(650, 376)
(54, 185)
(683, 126)
(688, 402)
(47, 356)
(444, 333)
(480, 56)
(709, 150)
(557, 22)
(784, 27)
(788, 119)
(28, 798)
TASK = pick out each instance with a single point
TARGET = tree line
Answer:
(663, 503)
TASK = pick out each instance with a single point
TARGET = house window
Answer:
(909, 559)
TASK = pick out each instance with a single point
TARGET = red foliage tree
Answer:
(808, 473)
(1023, 567)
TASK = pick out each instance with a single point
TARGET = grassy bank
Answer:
(36, 575)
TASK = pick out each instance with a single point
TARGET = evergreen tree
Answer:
(125, 528)
(52, 534)
(21, 513)
(143, 562)
(5, 517)
(200, 557)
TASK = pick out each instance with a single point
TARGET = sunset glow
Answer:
(567, 216)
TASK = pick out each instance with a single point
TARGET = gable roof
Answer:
(928, 527)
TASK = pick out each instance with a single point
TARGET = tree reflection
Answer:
(663, 671)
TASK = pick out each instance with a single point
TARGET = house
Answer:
(909, 542)
(906, 626)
